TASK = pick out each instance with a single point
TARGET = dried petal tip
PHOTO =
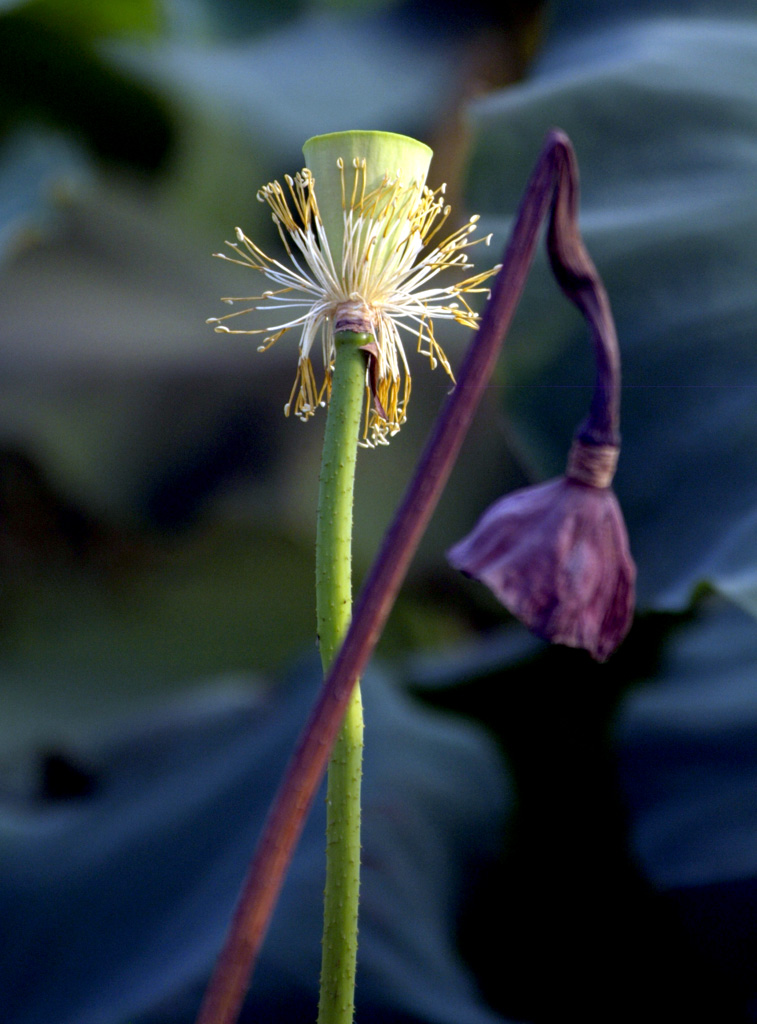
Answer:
(557, 557)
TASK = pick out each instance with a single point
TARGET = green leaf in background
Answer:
(321, 73)
(52, 74)
(125, 890)
(37, 171)
(663, 115)
(733, 564)
(92, 20)
(688, 756)
(686, 744)
(81, 642)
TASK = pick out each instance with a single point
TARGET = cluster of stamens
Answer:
(381, 281)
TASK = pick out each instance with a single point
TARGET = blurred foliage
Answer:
(184, 794)
(157, 516)
(52, 74)
(88, 20)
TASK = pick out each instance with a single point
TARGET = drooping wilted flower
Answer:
(358, 227)
(557, 555)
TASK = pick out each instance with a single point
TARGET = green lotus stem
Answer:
(333, 561)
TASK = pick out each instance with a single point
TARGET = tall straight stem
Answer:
(334, 608)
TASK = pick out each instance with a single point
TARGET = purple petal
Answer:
(557, 556)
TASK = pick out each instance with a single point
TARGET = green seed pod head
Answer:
(384, 153)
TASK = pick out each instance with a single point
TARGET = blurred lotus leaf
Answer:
(687, 749)
(37, 170)
(118, 897)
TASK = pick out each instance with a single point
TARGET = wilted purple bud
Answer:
(557, 556)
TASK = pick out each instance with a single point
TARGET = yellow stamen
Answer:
(383, 271)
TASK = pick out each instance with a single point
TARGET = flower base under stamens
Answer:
(356, 317)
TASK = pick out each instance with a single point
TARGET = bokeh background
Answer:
(545, 838)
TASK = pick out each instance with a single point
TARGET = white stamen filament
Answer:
(383, 281)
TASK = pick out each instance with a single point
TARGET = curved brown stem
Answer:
(579, 280)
